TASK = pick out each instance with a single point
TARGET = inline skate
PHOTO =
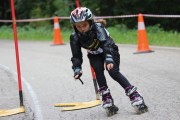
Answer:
(136, 99)
(108, 102)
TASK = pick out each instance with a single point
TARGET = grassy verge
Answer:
(156, 36)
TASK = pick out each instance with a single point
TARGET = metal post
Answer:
(95, 83)
(17, 52)
(77, 3)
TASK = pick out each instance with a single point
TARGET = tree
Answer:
(26, 9)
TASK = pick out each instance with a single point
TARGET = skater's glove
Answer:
(108, 59)
(77, 73)
(109, 63)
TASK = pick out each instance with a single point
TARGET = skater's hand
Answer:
(108, 62)
(77, 73)
(108, 66)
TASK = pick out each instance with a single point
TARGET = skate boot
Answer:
(137, 100)
(108, 102)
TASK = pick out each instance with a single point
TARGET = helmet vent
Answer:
(89, 16)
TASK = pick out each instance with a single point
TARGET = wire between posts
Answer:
(161, 16)
(29, 20)
(97, 17)
(120, 16)
(65, 18)
(35, 20)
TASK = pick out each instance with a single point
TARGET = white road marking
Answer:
(38, 112)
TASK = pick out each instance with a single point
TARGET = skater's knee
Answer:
(114, 74)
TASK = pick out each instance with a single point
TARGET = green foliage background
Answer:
(27, 9)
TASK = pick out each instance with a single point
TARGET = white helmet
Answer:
(81, 14)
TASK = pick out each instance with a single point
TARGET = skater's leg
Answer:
(117, 76)
(97, 63)
(115, 72)
(137, 100)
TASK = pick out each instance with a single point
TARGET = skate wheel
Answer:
(141, 109)
(111, 110)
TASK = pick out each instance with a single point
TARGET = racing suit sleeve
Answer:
(107, 44)
(76, 52)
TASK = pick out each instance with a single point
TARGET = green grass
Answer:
(27, 33)
(123, 37)
(119, 33)
(164, 39)
(156, 37)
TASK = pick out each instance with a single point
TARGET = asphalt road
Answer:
(48, 79)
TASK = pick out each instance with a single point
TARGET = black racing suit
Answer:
(100, 48)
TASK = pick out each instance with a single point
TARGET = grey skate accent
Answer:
(105, 91)
(131, 91)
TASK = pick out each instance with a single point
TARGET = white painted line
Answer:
(38, 112)
(141, 26)
(56, 26)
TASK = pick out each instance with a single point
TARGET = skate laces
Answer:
(129, 90)
(132, 93)
(135, 96)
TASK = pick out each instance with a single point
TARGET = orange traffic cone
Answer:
(57, 33)
(143, 46)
